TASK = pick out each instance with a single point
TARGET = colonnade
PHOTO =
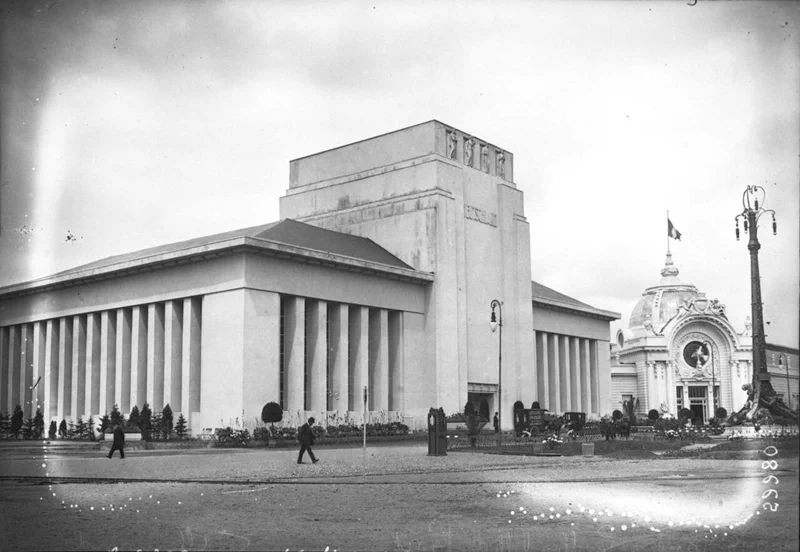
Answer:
(567, 372)
(84, 364)
(331, 351)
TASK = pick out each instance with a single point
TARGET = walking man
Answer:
(496, 422)
(306, 438)
(119, 442)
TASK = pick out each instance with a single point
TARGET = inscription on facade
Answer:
(473, 213)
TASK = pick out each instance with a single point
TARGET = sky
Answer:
(127, 125)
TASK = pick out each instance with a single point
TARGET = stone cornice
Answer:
(225, 247)
(575, 309)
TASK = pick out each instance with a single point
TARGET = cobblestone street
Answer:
(394, 498)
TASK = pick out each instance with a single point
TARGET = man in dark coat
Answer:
(496, 422)
(306, 438)
(119, 442)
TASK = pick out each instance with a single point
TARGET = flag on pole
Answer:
(672, 232)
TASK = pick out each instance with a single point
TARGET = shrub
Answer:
(721, 413)
(53, 430)
(38, 424)
(686, 414)
(27, 429)
(469, 409)
(116, 417)
(105, 423)
(259, 434)
(518, 406)
(653, 414)
(616, 414)
(133, 419)
(180, 426)
(271, 413)
(535, 405)
(62, 429)
(166, 421)
(17, 419)
(90, 428)
(145, 421)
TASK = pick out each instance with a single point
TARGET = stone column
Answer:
(543, 365)
(339, 319)
(317, 347)
(122, 360)
(555, 378)
(378, 361)
(575, 374)
(294, 314)
(139, 333)
(359, 355)
(39, 367)
(155, 356)
(65, 368)
(51, 370)
(190, 367)
(586, 381)
(78, 365)
(396, 363)
(4, 369)
(108, 361)
(564, 372)
(93, 362)
(670, 383)
(12, 391)
(173, 350)
(535, 367)
(25, 369)
(594, 375)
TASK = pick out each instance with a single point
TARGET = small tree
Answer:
(157, 427)
(80, 428)
(145, 421)
(180, 426)
(116, 417)
(62, 429)
(5, 423)
(27, 428)
(17, 418)
(90, 427)
(166, 421)
(616, 414)
(653, 415)
(721, 413)
(38, 424)
(133, 419)
(535, 405)
(105, 423)
(53, 430)
(271, 413)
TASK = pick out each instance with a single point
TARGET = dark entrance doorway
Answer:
(698, 402)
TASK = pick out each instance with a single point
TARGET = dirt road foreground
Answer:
(394, 498)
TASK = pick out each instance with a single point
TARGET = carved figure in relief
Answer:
(452, 142)
(501, 164)
(485, 158)
(469, 150)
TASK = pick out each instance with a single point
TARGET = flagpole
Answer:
(667, 231)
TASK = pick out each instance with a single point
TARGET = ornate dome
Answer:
(660, 303)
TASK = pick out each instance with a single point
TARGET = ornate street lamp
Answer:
(763, 394)
(788, 382)
(496, 322)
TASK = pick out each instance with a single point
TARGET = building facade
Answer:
(376, 283)
(680, 350)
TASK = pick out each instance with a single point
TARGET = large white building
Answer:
(681, 350)
(380, 274)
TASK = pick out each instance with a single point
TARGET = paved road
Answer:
(394, 498)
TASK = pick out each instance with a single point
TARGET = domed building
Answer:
(680, 350)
